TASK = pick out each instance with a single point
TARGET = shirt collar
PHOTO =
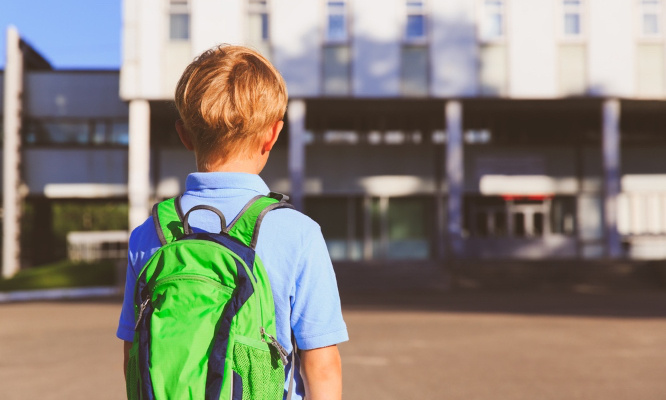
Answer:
(199, 181)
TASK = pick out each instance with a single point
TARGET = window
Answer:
(342, 223)
(336, 53)
(119, 133)
(572, 18)
(414, 57)
(336, 60)
(336, 28)
(650, 18)
(407, 226)
(258, 24)
(415, 28)
(492, 20)
(520, 217)
(179, 20)
(414, 69)
(76, 132)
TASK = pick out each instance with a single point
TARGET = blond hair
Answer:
(227, 98)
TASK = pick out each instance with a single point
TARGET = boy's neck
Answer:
(245, 165)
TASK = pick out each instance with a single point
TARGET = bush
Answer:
(63, 274)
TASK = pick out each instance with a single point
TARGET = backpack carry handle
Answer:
(187, 230)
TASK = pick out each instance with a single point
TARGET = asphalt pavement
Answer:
(464, 345)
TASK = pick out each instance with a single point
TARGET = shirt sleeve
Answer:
(143, 243)
(126, 324)
(316, 316)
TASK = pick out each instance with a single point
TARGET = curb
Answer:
(57, 294)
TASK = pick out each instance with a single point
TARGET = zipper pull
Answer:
(142, 308)
(284, 356)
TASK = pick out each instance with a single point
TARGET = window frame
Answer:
(428, 72)
(482, 22)
(332, 45)
(327, 40)
(640, 13)
(91, 130)
(424, 12)
(562, 10)
(255, 7)
(179, 7)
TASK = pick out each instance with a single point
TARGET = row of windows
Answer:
(493, 72)
(359, 227)
(649, 18)
(493, 18)
(94, 132)
(492, 26)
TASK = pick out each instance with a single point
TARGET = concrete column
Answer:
(138, 182)
(440, 207)
(367, 228)
(454, 177)
(296, 115)
(611, 161)
(43, 236)
(11, 198)
(383, 227)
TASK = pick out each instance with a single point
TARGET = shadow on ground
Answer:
(619, 305)
(591, 289)
(597, 288)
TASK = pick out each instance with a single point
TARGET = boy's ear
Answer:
(184, 135)
(273, 134)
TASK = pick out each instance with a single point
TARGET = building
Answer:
(65, 142)
(424, 129)
(433, 129)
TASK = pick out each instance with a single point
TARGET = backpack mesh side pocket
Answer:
(260, 371)
(132, 377)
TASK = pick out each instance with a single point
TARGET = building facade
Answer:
(432, 129)
(65, 146)
(425, 129)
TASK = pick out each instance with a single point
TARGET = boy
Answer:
(231, 102)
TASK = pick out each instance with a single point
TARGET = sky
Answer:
(70, 34)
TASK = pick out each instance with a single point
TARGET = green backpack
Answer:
(205, 317)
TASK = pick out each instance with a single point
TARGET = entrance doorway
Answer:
(520, 216)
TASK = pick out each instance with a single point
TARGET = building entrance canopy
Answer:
(571, 121)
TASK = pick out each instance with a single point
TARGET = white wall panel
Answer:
(454, 50)
(215, 22)
(296, 37)
(532, 50)
(611, 47)
(377, 34)
(152, 35)
(177, 56)
(131, 56)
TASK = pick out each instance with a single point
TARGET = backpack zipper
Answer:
(192, 277)
(284, 356)
(142, 308)
(177, 277)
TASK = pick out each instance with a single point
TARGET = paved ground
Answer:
(498, 346)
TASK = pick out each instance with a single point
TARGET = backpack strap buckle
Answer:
(278, 196)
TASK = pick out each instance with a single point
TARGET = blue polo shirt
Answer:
(290, 245)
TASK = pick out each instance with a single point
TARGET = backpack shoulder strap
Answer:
(168, 219)
(246, 225)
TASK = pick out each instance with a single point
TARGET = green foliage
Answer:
(88, 216)
(63, 274)
(48, 232)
